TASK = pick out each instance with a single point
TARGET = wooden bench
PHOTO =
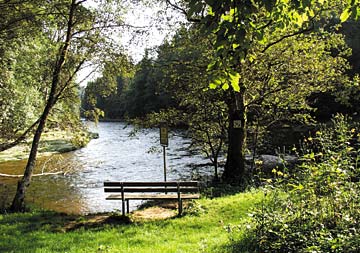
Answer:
(126, 191)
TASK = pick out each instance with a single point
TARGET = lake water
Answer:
(116, 155)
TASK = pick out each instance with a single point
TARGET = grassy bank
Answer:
(51, 142)
(202, 229)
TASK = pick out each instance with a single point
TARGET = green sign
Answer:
(237, 123)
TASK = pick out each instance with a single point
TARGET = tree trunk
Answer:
(235, 170)
(18, 204)
(216, 176)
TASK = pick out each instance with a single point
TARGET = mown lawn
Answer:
(200, 230)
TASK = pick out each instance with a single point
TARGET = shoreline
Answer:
(52, 142)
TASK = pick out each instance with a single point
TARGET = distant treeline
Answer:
(144, 88)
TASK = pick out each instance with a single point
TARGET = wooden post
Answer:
(164, 154)
(164, 141)
(179, 199)
(122, 199)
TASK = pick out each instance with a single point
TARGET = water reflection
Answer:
(113, 156)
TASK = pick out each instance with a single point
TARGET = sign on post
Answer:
(164, 140)
(237, 123)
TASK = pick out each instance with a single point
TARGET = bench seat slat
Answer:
(152, 196)
(157, 189)
(140, 184)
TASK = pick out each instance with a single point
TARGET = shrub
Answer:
(318, 208)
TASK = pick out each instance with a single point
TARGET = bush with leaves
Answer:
(318, 208)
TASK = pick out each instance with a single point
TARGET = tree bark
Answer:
(18, 204)
(235, 170)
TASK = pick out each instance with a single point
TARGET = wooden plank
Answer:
(154, 189)
(139, 184)
(152, 196)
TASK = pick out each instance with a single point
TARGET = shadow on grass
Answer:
(216, 190)
(245, 243)
(29, 232)
(55, 232)
(51, 222)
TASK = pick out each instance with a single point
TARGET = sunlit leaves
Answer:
(352, 10)
(25, 68)
(239, 25)
(215, 83)
(345, 15)
(234, 80)
(225, 80)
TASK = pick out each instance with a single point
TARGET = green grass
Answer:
(201, 230)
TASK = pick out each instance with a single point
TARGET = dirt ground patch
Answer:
(153, 213)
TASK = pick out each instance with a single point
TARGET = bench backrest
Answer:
(182, 186)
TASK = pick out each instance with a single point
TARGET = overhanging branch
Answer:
(183, 11)
(302, 31)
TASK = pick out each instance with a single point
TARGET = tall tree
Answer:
(245, 30)
(78, 35)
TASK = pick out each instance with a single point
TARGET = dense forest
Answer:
(243, 78)
(145, 88)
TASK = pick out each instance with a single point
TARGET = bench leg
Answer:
(180, 206)
(127, 206)
(123, 207)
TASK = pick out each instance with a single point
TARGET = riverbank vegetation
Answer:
(315, 206)
(55, 141)
(41, 92)
(312, 207)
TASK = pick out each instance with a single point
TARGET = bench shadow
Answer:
(97, 222)
(23, 232)
(60, 222)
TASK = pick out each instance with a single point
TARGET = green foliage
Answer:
(181, 71)
(31, 34)
(281, 79)
(276, 83)
(246, 37)
(352, 10)
(22, 89)
(144, 95)
(125, 91)
(317, 208)
(240, 24)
